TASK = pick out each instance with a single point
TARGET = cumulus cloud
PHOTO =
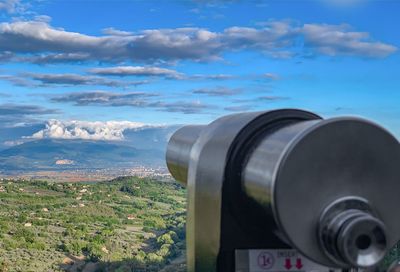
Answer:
(45, 43)
(137, 71)
(218, 91)
(169, 44)
(335, 40)
(105, 131)
(273, 36)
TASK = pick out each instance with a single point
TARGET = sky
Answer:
(93, 69)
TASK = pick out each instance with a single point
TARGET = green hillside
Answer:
(43, 154)
(127, 224)
(123, 225)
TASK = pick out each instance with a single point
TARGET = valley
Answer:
(125, 224)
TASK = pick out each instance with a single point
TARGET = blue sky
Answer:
(69, 67)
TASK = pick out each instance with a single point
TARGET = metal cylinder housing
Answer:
(178, 152)
(301, 169)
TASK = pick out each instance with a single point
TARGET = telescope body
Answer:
(287, 181)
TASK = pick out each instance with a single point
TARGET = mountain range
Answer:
(140, 147)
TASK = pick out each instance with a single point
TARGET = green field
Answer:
(127, 224)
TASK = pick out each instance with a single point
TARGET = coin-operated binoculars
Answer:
(285, 190)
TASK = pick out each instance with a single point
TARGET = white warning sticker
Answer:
(278, 260)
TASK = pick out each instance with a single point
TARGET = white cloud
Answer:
(85, 130)
(150, 71)
(9, 5)
(170, 44)
(13, 143)
(135, 99)
(335, 40)
(76, 79)
(38, 41)
(218, 91)
(43, 18)
(271, 76)
(115, 32)
(210, 77)
(181, 43)
(136, 71)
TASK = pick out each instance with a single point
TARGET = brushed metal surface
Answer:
(302, 168)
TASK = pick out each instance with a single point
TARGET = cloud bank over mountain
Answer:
(84, 130)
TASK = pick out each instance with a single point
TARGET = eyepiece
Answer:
(353, 236)
(362, 240)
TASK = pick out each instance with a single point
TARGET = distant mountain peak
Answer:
(140, 147)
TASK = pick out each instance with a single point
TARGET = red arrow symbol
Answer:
(288, 264)
(299, 265)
